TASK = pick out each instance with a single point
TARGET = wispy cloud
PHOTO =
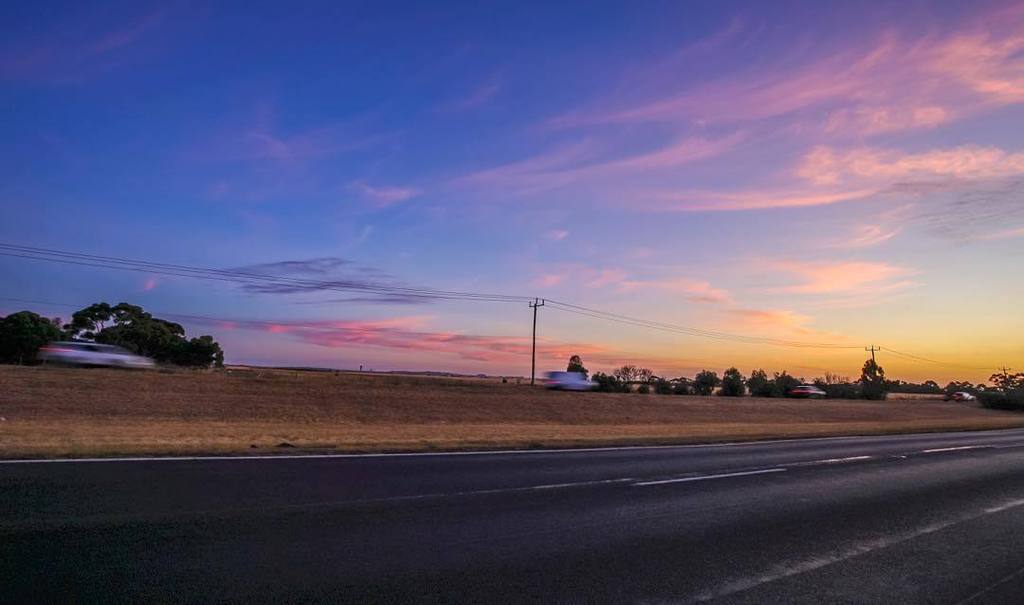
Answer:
(586, 162)
(842, 277)
(384, 195)
(691, 289)
(897, 82)
(557, 235)
(320, 275)
(477, 97)
(55, 57)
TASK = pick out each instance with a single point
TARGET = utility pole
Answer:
(537, 302)
(872, 348)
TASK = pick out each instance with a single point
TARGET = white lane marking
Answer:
(706, 477)
(1008, 505)
(953, 449)
(830, 461)
(991, 587)
(793, 568)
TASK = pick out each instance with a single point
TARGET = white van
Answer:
(568, 381)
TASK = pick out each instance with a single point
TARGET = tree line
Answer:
(22, 334)
(1005, 392)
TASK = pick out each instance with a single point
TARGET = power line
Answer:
(937, 362)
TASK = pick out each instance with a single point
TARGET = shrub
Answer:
(643, 389)
(759, 384)
(784, 383)
(1003, 400)
(681, 386)
(662, 387)
(705, 382)
(733, 384)
(609, 384)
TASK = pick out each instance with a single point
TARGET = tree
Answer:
(733, 384)
(21, 335)
(759, 384)
(682, 386)
(90, 320)
(872, 380)
(837, 387)
(705, 382)
(609, 384)
(576, 365)
(131, 327)
(662, 386)
(644, 375)
(783, 383)
(627, 373)
(1004, 381)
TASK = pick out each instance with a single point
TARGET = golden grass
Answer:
(69, 412)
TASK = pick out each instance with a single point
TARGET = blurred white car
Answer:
(568, 381)
(92, 354)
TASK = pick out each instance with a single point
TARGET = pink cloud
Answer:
(149, 285)
(826, 166)
(896, 82)
(694, 290)
(550, 280)
(557, 235)
(479, 96)
(384, 196)
(771, 318)
(407, 333)
(582, 163)
(870, 235)
(710, 201)
(843, 277)
(56, 57)
(605, 277)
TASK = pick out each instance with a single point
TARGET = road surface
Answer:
(935, 518)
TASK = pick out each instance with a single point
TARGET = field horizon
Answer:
(64, 412)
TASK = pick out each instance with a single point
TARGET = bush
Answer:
(21, 335)
(784, 383)
(609, 384)
(681, 386)
(733, 384)
(643, 389)
(1012, 400)
(705, 382)
(759, 385)
(662, 387)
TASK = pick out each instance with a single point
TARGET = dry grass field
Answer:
(72, 412)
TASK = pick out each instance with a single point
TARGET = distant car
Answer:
(92, 354)
(568, 381)
(806, 391)
(960, 396)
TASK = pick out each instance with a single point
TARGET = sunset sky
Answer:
(842, 173)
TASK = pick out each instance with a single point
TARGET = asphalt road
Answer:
(902, 519)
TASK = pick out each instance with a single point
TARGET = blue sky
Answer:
(843, 172)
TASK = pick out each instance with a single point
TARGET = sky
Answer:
(837, 173)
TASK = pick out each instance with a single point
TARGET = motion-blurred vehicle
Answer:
(806, 391)
(92, 354)
(960, 396)
(568, 381)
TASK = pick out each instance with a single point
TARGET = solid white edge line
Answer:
(706, 477)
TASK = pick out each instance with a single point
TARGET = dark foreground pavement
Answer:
(901, 519)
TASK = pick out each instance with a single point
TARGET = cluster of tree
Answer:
(871, 385)
(1006, 392)
(124, 325)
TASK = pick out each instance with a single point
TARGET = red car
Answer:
(806, 391)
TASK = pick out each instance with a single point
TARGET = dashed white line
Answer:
(953, 449)
(847, 459)
(706, 477)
